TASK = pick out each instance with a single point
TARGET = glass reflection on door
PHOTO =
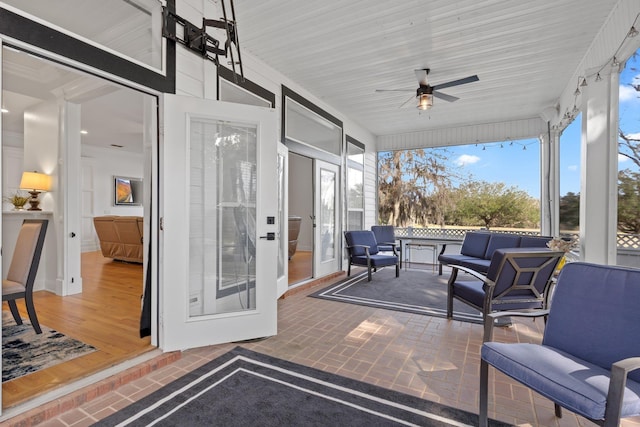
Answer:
(222, 219)
(327, 214)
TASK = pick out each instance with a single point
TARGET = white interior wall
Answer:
(41, 135)
(102, 165)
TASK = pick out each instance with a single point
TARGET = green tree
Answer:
(628, 201)
(493, 204)
(570, 211)
(413, 186)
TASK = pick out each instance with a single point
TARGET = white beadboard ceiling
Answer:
(524, 52)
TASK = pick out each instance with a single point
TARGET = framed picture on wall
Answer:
(127, 191)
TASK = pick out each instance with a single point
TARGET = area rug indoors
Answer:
(415, 291)
(244, 388)
(25, 352)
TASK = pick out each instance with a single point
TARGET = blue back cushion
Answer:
(500, 241)
(595, 314)
(475, 243)
(384, 233)
(361, 237)
(534, 241)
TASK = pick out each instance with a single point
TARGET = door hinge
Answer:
(161, 223)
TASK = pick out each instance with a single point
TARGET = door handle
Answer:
(269, 236)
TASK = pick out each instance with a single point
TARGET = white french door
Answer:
(218, 223)
(326, 253)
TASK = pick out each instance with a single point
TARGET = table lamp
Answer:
(35, 183)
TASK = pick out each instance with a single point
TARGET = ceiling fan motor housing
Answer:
(424, 89)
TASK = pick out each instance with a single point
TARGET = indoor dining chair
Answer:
(23, 268)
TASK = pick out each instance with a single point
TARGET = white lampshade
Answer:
(35, 181)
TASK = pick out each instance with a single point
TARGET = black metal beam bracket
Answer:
(199, 41)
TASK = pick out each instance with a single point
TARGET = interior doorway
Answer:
(314, 212)
(108, 128)
(300, 218)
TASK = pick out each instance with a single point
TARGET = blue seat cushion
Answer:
(388, 248)
(376, 260)
(473, 292)
(477, 264)
(573, 383)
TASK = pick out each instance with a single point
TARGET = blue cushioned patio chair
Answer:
(517, 279)
(589, 358)
(386, 238)
(363, 250)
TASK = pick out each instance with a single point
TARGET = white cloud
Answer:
(627, 93)
(634, 136)
(466, 159)
(573, 168)
(622, 159)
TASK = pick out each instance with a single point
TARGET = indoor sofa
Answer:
(120, 237)
(478, 248)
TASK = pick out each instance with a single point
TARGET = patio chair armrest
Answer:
(472, 272)
(366, 248)
(394, 246)
(619, 372)
(489, 320)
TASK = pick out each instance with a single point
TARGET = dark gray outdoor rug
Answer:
(25, 352)
(415, 291)
(244, 388)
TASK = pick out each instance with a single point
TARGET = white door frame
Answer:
(283, 223)
(327, 261)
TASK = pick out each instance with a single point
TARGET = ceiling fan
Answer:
(426, 92)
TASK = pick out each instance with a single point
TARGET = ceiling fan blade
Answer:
(407, 101)
(445, 97)
(395, 90)
(466, 80)
(421, 75)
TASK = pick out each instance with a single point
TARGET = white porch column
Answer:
(550, 183)
(599, 166)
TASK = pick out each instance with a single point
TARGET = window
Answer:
(355, 182)
(131, 28)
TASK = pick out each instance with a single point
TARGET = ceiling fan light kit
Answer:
(425, 100)
(426, 92)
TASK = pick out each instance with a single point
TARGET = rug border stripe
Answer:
(331, 293)
(289, 372)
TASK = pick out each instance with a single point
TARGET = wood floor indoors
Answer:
(105, 315)
(300, 266)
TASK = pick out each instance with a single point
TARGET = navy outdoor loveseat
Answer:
(478, 248)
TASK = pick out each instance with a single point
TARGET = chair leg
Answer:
(14, 311)
(558, 410)
(397, 270)
(483, 408)
(452, 279)
(31, 310)
(349, 270)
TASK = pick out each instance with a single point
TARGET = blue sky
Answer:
(517, 163)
